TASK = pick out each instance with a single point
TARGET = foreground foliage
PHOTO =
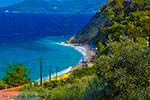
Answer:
(2, 85)
(70, 91)
(16, 75)
(125, 70)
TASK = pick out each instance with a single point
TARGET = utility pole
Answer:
(148, 36)
(56, 73)
(50, 75)
(146, 21)
(41, 65)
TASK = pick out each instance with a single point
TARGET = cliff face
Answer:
(88, 33)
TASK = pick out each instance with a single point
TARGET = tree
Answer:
(16, 75)
(146, 24)
(2, 85)
(119, 3)
(110, 14)
(125, 70)
(139, 1)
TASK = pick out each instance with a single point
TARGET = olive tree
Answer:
(16, 75)
(125, 69)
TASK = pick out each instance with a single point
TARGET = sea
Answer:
(26, 37)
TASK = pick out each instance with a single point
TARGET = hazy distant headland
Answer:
(48, 6)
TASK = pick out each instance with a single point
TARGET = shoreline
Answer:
(83, 49)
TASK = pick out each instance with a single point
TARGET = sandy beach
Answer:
(86, 60)
(87, 52)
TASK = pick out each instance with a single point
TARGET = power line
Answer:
(64, 20)
(77, 13)
(45, 65)
(22, 63)
(32, 68)
(41, 70)
(49, 70)
(29, 61)
(56, 73)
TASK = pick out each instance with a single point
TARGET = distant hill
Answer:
(28, 6)
(52, 6)
(5, 3)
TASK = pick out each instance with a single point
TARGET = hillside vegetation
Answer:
(117, 17)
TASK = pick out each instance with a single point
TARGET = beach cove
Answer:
(88, 57)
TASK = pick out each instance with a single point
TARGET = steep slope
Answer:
(90, 31)
(107, 21)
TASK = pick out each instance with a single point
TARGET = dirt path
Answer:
(9, 94)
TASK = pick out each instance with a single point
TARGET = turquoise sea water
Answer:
(24, 37)
(53, 55)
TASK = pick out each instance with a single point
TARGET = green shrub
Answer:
(16, 75)
(41, 93)
(87, 71)
(74, 91)
(2, 85)
(94, 91)
(126, 69)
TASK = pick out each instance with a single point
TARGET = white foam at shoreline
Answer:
(80, 49)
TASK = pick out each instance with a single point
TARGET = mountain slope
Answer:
(90, 31)
(107, 22)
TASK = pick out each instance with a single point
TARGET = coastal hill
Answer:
(95, 30)
(5, 3)
(28, 6)
(52, 6)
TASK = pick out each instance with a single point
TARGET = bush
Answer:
(74, 91)
(94, 91)
(36, 93)
(126, 69)
(71, 78)
(2, 85)
(16, 75)
(87, 71)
